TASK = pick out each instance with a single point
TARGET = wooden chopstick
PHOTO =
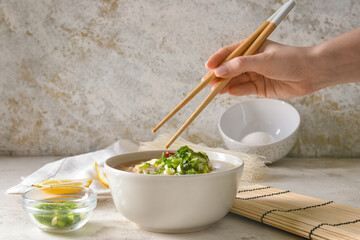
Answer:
(237, 52)
(248, 47)
(207, 79)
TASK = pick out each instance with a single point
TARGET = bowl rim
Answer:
(264, 100)
(202, 175)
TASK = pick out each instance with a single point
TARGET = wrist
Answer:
(318, 67)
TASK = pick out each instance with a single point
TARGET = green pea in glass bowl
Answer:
(59, 211)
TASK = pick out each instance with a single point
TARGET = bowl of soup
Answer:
(173, 203)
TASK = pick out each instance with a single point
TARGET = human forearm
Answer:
(337, 60)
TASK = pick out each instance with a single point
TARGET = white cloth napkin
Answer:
(76, 167)
(83, 166)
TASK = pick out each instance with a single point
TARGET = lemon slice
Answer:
(101, 174)
(63, 186)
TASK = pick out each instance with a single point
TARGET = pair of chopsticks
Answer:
(246, 48)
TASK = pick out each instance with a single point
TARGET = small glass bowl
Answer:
(59, 209)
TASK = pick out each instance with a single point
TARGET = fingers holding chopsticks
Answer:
(213, 81)
(240, 65)
(219, 57)
(242, 85)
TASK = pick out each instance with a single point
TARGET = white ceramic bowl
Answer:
(275, 117)
(173, 204)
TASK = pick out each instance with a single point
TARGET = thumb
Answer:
(239, 65)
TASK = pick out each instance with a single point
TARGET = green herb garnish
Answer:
(183, 161)
(60, 215)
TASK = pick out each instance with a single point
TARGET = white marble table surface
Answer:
(328, 179)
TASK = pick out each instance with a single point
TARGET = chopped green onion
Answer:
(183, 161)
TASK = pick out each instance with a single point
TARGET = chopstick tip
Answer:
(156, 128)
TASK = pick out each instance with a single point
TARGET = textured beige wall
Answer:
(76, 75)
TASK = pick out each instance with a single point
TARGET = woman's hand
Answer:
(280, 71)
(275, 71)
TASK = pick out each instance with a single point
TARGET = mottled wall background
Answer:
(77, 75)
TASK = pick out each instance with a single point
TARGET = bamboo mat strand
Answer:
(302, 215)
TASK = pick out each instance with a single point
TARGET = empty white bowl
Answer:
(173, 203)
(272, 116)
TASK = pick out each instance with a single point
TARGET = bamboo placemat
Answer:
(302, 215)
